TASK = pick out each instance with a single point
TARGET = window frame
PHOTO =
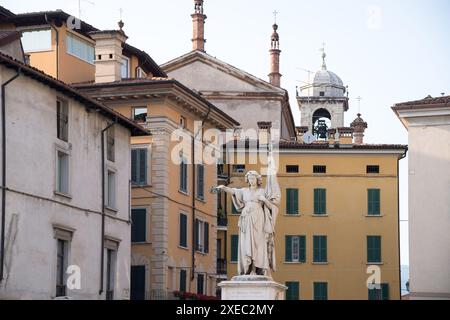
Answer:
(122, 59)
(180, 244)
(320, 201)
(25, 31)
(145, 224)
(290, 204)
(183, 176)
(371, 258)
(373, 205)
(320, 251)
(63, 105)
(83, 41)
(67, 154)
(322, 285)
(200, 183)
(108, 190)
(137, 149)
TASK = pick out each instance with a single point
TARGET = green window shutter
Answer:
(373, 196)
(206, 244)
(138, 225)
(183, 230)
(182, 280)
(292, 201)
(302, 254)
(373, 249)
(320, 201)
(200, 181)
(234, 247)
(372, 294)
(196, 233)
(134, 158)
(288, 249)
(320, 291)
(320, 249)
(233, 209)
(293, 291)
(142, 166)
(384, 291)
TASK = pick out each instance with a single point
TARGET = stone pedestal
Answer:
(252, 287)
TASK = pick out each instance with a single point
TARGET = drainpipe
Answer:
(57, 45)
(2, 256)
(102, 256)
(194, 137)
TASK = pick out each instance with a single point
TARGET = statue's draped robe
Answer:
(257, 226)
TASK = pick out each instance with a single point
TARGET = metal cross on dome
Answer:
(275, 13)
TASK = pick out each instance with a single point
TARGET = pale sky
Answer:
(385, 51)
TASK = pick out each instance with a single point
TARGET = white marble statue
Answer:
(259, 209)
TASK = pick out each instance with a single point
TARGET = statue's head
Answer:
(253, 178)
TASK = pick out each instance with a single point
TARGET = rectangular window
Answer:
(320, 249)
(61, 267)
(110, 273)
(239, 168)
(37, 40)
(233, 209)
(183, 276)
(234, 247)
(292, 169)
(80, 48)
(138, 225)
(380, 294)
(140, 114)
(183, 230)
(110, 142)
(373, 169)
(291, 201)
(293, 291)
(62, 172)
(201, 236)
(320, 201)
(111, 190)
(201, 181)
(319, 169)
(183, 122)
(139, 166)
(124, 69)
(62, 120)
(200, 283)
(320, 291)
(373, 249)
(295, 249)
(183, 175)
(140, 73)
(373, 202)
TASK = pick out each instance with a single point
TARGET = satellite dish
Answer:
(308, 138)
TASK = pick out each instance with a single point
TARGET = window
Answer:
(140, 114)
(291, 169)
(80, 48)
(183, 276)
(319, 169)
(182, 122)
(291, 201)
(380, 294)
(320, 203)
(140, 73)
(183, 175)
(233, 209)
(110, 273)
(138, 225)
(61, 267)
(293, 291)
(320, 291)
(62, 172)
(201, 181)
(201, 236)
(37, 40)
(295, 249)
(111, 190)
(183, 230)
(373, 169)
(200, 283)
(322, 93)
(110, 142)
(320, 249)
(373, 202)
(234, 247)
(139, 166)
(373, 249)
(124, 69)
(62, 120)
(239, 168)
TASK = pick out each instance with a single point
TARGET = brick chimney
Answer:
(198, 22)
(275, 75)
(359, 126)
(264, 128)
(108, 54)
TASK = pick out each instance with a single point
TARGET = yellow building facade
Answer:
(334, 253)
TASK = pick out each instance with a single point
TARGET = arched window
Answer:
(321, 122)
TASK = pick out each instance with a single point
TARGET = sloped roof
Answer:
(69, 91)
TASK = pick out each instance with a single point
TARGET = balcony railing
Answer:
(221, 266)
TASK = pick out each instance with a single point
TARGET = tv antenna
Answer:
(79, 6)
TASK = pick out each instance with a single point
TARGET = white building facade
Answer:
(61, 239)
(428, 125)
